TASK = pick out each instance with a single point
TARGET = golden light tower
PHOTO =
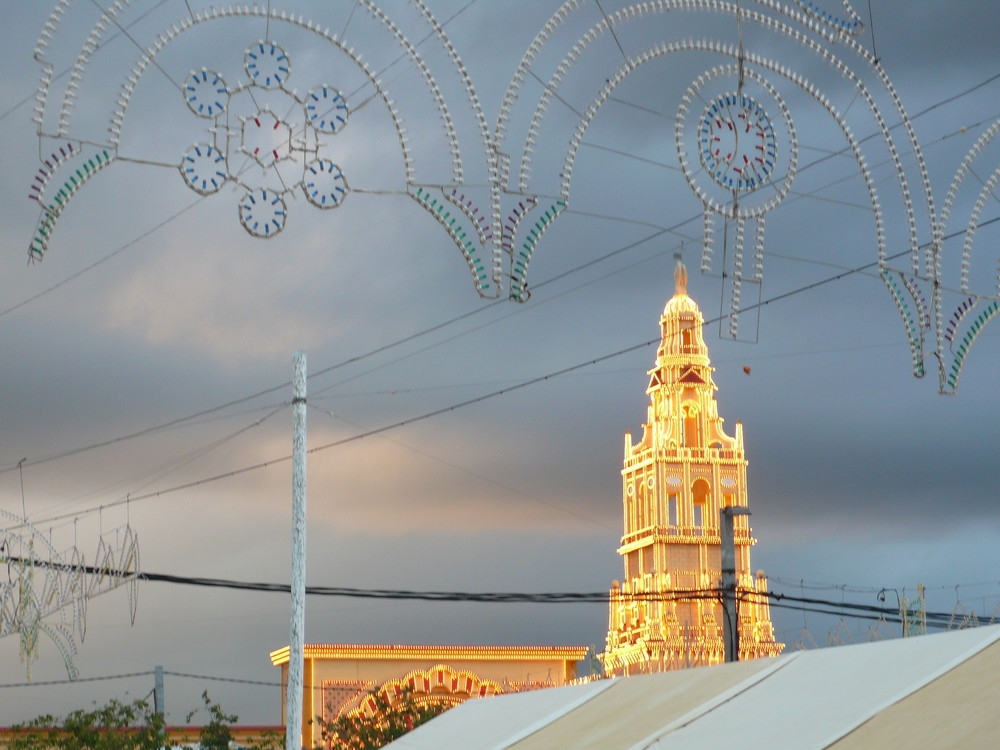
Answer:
(667, 613)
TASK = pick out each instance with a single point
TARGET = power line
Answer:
(187, 675)
(104, 678)
(159, 472)
(493, 394)
(804, 603)
(166, 672)
(319, 373)
(31, 97)
(101, 260)
(405, 339)
(235, 680)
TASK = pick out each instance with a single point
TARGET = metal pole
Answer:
(296, 656)
(158, 701)
(727, 559)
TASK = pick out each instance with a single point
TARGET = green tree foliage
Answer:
(115, 726)
(127, 726)
(390, 721)
(216, 735)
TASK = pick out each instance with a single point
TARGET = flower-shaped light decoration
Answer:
(747, 154)
(266, 138)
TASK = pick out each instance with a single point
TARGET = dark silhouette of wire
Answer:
(493, 394)
(400, 341)
(788, 601)
(44, 683)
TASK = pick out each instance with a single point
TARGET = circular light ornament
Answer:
(265, 138)
(263, 212)
(851, 24)
(747, 155)
(326, 109)
(203, 168)
(324, 184)
(737, 144)
(745, 141)
(206, 93)
(267, 65)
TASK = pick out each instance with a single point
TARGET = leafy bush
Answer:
(355, 731)
(115, 726)
(127, 726)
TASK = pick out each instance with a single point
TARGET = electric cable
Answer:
(31, 97)
(493, 394)
(103, 678)
(501, 597)
(166, 672)
(468, 472)
(148, 476)
(398, 342)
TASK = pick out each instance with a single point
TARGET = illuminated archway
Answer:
(439, 684)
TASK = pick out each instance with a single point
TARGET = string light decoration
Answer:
(760, 49)
(979, 304)
(741, 149)
(848, 24)
(743, 66)
(262, 137)
(244, 124)
(42, 583)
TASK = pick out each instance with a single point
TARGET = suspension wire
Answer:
(123, 30)
(871, 27)
(502, 391)
(611, 29)
(149, 476)
(806, 603)
(365, 355)
(45, 683)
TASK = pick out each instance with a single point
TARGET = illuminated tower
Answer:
(674, 483)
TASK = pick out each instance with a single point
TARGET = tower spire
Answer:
(680, 279)
(675, 482)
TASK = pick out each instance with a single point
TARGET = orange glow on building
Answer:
(338, 678)
(675, 481)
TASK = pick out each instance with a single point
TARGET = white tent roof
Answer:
(933, 691)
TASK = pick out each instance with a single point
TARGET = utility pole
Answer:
(158, 703)
(730, 605)
(296, 655)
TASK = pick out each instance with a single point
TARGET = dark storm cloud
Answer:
(521, 491)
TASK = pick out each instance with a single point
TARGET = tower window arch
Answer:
(690, 425)
(689, 344)
(700, 495)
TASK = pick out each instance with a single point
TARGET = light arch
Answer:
(438, 684)
(816, 33)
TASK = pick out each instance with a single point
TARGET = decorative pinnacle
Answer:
(680, 279)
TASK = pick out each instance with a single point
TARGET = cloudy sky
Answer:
(150, 350)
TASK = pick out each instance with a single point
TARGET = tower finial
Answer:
(680, 278)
